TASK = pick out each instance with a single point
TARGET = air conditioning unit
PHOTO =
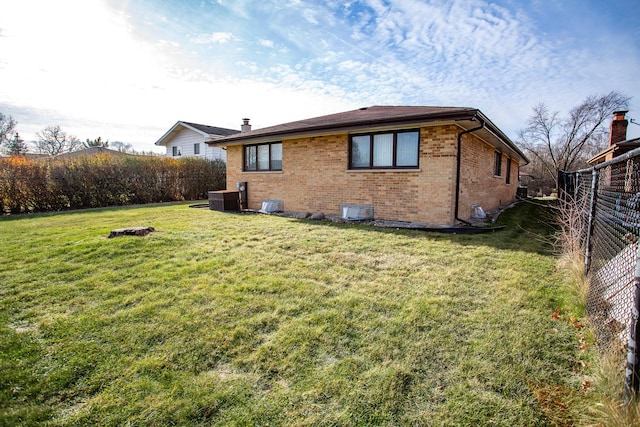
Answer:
(356, 212)
(272, 206)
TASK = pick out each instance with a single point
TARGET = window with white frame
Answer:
(196, 148)
(388, 150)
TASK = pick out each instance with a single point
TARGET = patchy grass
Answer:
(226, 319)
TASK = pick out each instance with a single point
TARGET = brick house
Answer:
(618, 142)
(418, 164)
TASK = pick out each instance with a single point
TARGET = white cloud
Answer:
(106, 74)
(214, 38)
(310, 16)
(266, 43)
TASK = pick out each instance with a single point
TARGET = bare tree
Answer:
(7, 126)
(557, 143)
(123, 147)
(52, 140)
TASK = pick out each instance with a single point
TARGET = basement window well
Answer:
(272, 206)
(356, 212)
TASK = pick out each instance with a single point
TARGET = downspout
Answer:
(459, 165)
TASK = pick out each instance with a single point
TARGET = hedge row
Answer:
(40, 185)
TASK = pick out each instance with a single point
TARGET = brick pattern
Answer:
(315, 178)
(478, 185)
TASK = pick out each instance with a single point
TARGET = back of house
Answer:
(422, 164)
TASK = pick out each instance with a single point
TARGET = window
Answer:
(175, 151)
(508, 179)
(196, 148)
(497, 164)
(384, 150)
(263, 157)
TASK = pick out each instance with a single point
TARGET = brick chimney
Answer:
(246, 127)
(618, 127)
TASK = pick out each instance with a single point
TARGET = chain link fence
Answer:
(607, 201)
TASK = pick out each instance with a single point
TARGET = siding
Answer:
(185, 140)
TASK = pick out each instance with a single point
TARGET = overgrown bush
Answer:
(39, 185)
(571, 215)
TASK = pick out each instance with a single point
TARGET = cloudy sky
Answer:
(127, 70)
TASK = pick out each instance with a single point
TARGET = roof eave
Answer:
(252, 136)
(497, 133)
(470, 114)
(172, 131)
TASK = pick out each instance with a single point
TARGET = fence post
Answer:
(632, 371)
(592, 214)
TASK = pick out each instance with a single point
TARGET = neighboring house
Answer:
(191, 139)
(417, 164)
(618, 142)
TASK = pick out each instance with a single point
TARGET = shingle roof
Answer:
(212, 130)
(364, 119)
(619, 147)
(368, 116)
(90, 151)
(205, 130)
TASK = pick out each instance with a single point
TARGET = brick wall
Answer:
(478, 185)
(315, 178)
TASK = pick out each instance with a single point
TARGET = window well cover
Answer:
(270, 206)
(356, 212)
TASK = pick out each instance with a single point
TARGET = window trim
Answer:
(394, 165)
(271, 168)
(497, 164)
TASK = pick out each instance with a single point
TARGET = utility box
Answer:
(521, 192)
(224, 200)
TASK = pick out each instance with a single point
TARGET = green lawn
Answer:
(227, 319)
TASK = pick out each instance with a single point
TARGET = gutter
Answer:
(459, 165)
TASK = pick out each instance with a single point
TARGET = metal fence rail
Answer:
(607, 199)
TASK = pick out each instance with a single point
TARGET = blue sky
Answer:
(128, 70)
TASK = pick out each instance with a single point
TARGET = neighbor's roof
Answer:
(379, 117)
(90, 151)
(211, 132)
(618, 149)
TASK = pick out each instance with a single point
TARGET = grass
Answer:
(226, 319)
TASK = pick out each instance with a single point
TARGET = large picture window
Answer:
(384, 150)
(263, 157)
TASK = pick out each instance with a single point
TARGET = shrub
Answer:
(38, 185)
